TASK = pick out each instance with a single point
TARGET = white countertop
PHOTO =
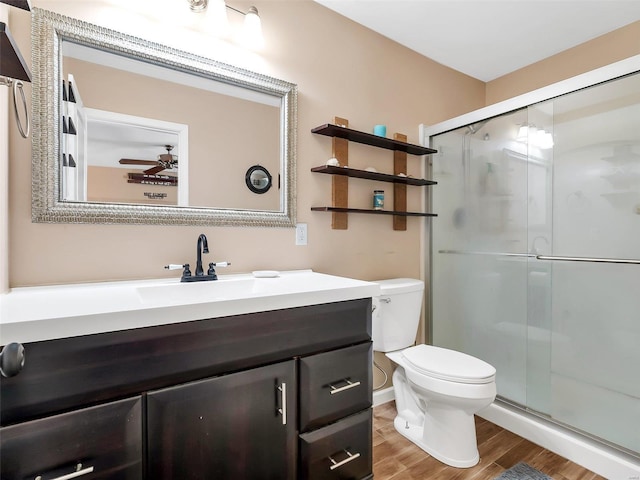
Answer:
(32, 314)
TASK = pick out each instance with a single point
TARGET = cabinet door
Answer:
(237, 426)
(99, 442)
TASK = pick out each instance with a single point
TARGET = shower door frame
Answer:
(597, 456)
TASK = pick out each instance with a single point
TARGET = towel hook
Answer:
(18, 85)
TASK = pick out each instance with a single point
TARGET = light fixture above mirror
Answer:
(216, 12)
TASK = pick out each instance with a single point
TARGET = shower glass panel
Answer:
(595, 314)
(479, 286)
(534, 206)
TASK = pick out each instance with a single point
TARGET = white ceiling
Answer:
(134, 142)
(489, 38)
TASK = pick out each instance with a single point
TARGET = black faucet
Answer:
(203, 247)
(199, 276)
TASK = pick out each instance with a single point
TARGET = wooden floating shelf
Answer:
(375, 212)
(383, 177)
(331, 130)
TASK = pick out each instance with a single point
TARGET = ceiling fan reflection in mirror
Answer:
(166, 161)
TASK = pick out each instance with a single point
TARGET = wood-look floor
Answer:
(396, 458)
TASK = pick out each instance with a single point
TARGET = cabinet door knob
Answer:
(11, 359)
(350, 457)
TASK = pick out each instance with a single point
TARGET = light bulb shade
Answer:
(535, 137)
(252, 30)
(217, 17)
(523, 133)
(198, 5)
(543, 140)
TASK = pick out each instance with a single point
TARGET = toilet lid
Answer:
(449, 365)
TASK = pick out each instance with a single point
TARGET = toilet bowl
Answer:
(437, 390)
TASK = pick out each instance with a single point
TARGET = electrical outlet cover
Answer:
(301, 234)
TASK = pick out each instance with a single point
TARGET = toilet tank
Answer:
(396, 314)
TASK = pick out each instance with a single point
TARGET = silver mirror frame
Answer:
(47, 31)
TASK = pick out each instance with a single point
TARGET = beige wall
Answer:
(341, 69)
(604, 50)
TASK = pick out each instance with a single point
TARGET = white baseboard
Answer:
(383, 396)
(605, 461)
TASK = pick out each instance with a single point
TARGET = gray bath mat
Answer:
(522, 471)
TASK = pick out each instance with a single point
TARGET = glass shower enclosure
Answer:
(535, 255)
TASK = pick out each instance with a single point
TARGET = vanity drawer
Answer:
(334, 384)
(341, 450)
(103, 441)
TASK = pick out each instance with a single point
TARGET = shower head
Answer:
(474, 127)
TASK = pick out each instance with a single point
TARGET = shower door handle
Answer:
(627, 261)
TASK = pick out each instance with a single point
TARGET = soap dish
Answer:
(266, 273)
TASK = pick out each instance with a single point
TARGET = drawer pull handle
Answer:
(349, 385)
(283, 396)
(78, 473)
(350, 457)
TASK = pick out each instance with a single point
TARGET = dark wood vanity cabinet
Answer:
(240, 397)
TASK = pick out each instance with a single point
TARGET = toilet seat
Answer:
(449, 365)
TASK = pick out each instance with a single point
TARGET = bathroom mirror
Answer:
(106, 149)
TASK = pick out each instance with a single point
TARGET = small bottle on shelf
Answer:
(378, 199)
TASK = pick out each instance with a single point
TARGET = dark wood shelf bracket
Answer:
(340, 185)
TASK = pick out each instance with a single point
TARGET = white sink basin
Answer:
(234, 287)
(43, 313)
(189, 292)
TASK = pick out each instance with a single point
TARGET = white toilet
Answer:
(437, 390)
